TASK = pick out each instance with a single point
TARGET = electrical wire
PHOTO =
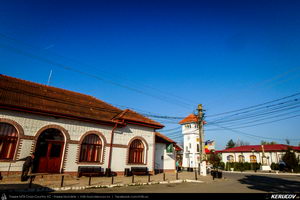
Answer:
(254, 106)
(182, 100)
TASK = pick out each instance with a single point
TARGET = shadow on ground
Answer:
(270, 184)
(22, 187)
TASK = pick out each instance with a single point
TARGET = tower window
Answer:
(188, 126)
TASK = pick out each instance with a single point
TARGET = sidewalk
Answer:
(53, 182)
(264, 172)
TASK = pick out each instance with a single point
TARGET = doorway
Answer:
(49, 151)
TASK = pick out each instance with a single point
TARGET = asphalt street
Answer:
(231, 183)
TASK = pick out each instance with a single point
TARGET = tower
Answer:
(190, 131)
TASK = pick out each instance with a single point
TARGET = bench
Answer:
(139, 170)
(89, 171)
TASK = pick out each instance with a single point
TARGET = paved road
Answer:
(233, 183)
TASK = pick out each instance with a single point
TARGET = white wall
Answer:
(190, 153)
(123, 136)
(168, 161)
(159, 155)
(32, 123)
(274, 157)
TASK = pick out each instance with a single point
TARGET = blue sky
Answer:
(223, 54)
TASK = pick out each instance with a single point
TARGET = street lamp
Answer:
(252, 158)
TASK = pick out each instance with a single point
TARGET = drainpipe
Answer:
(111, 145)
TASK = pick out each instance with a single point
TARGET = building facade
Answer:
(191, 145)
(257, 153)
(66, 130)
(165, 154)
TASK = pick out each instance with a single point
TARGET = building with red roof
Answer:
(189, 119)
(68, 130)
(254, 153)
(166, 151)
(190, 134)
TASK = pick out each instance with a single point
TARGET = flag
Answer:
(170, 148)
(209, 145)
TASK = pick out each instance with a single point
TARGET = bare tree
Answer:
(243, 143)
(265, 142)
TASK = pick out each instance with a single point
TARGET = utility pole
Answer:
(202, 163)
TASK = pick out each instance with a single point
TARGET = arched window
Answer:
(8, 141)
(241, 158)
(91, 149)
(253, 159)
(136, 152)
(230, 158)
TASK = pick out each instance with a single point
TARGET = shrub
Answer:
(247, 166)
(256, 166)
(275, 166)
(297, 169)
(290, 160)
(228, 166)
(222, 165)
(241, 166)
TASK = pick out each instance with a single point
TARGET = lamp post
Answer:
(252, 158)
(264, 166)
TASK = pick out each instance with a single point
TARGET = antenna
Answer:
(238, 142)
(49, 77)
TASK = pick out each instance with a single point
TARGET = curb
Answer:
(193, 181)
(265, 173)
(105, 186)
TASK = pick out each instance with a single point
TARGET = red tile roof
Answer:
(258, 148)
(178, 148)
(190, 118)
(17, 94)
(132, 116)
(162, 138)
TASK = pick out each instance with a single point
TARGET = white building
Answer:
(66, 130)
(254, 153)
(191, 145)
(165, 153)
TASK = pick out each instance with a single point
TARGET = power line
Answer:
(272, 78)
(251, 135)
(133, 89)
(173, 134)
(261, 114)
(168, 130)
(163, 117)
(269, 107)
(60, 101)
(28, 93)
(182, 103)
(257, 105)
(261, 118)
(269, 122)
